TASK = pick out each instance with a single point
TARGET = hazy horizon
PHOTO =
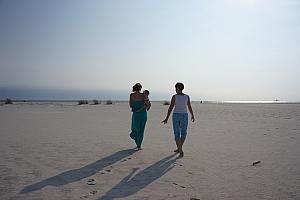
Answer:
(222, 50)
(35, 94)
(25, 93)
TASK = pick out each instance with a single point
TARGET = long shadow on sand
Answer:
(78, 174)
(131, 184)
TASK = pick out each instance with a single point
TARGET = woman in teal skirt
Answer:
(139, 104)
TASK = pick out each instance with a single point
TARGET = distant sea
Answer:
(37, 94)
(19, 94)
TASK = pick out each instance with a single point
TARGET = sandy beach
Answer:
(66, 151)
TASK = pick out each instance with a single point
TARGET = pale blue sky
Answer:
(220, 49)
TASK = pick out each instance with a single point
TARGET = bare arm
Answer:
(170, 109)
(190, 109)
(130, 101)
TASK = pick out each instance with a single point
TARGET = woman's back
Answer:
(137, 104)
(137, 96)
(136, 101)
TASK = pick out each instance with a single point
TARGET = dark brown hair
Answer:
(137, 87)
(179, 85)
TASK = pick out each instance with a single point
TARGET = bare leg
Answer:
(178, 144)
(181, 142)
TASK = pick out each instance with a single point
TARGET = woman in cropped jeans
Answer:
(181, 102)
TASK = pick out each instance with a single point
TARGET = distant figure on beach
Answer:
(139, 104)
(181, 102)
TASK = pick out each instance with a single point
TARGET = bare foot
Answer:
(181, 154)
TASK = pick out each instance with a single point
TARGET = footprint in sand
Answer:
(93, 192)
(87, 196)
(125, 159)
(91, 182)
(105, 171)
(176, 164)
(179, 185)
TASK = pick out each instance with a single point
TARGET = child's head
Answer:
(146, 92)
(179, 87)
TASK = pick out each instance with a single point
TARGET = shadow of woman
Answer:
(132, 184)
(78, 174)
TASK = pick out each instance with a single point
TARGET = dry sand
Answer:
(65, 151)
